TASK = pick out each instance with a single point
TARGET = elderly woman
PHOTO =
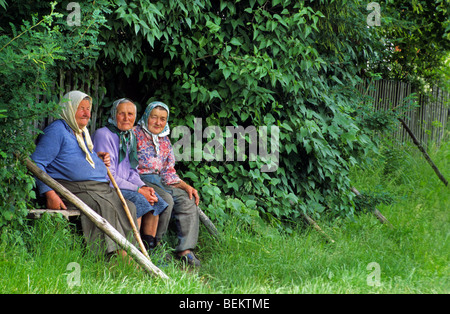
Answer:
(117, 139)
(157, 169)
(65, 152)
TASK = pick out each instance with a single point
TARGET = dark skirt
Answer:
(103, 199)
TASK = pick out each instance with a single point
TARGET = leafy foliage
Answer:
(255, 63)
(25, 54)
(418, 39)
(29, 54)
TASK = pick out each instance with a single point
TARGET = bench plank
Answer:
(67, 213)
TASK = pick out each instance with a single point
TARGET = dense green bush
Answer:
(34, 45)
(255, 63)
(25, 52)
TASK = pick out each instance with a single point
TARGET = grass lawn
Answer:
(367, 256)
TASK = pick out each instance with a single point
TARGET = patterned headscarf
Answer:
(144, 120)
(69, 104)
(127, 140)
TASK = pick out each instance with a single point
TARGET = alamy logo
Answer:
(257, 140)
(73, 278)
(74, 18)
(374, 278)
(374, 17)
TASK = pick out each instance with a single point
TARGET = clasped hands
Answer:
(148, 192)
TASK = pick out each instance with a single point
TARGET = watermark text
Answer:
(233, 141)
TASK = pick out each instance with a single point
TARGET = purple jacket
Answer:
(126, 177)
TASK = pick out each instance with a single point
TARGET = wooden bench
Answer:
(67, 213)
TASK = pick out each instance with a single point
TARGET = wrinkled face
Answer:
(125, 116)
(83, 113)
(157, 120)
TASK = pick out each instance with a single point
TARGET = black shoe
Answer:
(149, 241)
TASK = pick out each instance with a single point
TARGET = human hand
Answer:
(149, 194)
(105, 157)
(54, 201)
(189, 190)
(193, 192)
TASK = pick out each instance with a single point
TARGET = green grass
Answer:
(413, 256)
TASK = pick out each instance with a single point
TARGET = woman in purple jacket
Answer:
(117, 139)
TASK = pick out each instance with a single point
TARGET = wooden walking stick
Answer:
(98, 220)
(127, 211)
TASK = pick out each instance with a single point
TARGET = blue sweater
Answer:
(58, 154)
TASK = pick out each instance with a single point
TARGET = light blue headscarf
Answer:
(144, 120)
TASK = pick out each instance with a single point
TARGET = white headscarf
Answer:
(70, 103)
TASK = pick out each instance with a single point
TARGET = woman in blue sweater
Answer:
(65, 152)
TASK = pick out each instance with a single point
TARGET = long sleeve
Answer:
(168, 172)
(150, 162)
(125, 177)
(59, 155)
(47, 150)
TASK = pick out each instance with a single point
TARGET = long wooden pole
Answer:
(208, 224)
(127, 211)
(424, 152)
(316, 226)
(99, 221)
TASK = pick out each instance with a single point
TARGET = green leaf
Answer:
(235, 41)
(212, 27)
